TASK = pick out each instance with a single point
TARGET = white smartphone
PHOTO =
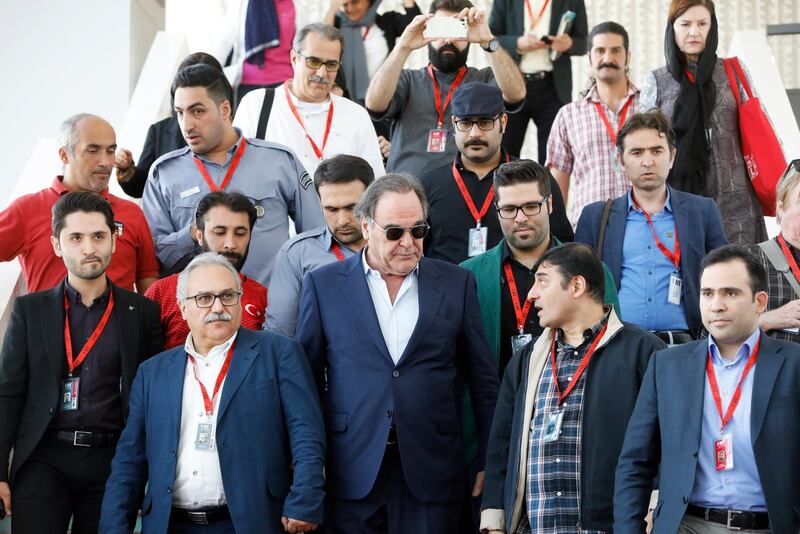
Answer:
(445, 28)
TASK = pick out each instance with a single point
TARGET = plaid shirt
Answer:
(778, 288)
(553, 491)
(580, 146)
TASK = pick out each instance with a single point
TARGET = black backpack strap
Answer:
(266, 108)
(603, 225)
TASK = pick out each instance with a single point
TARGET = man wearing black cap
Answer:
(461, 215)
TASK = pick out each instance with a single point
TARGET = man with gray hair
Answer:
(86, 149)
(303, 114)
(224, 431)
(392, 339)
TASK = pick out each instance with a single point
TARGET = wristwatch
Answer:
(492, 46)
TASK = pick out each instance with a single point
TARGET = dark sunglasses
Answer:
(395, 233)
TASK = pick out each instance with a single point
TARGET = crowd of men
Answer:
(469, 342)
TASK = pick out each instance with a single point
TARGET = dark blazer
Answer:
(699, 226)
(366, 392)
(162, 137)
(33, 359)
(268, 423)
(506, 22)
(665, 427)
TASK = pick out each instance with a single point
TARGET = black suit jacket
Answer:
(162, 137)
(33, 357)
(506, 22)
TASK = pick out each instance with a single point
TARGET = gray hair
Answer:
(66, 132)
(785, 186)
(326, 31)
(202, 260)
(391, 183)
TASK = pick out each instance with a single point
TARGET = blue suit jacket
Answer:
(269, 419)
(365, 391)
(699, 227)
(665, 429)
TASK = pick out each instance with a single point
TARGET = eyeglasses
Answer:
(465, 125)
(395, 233)
(530, 209)
(206, 300)
(314, 63)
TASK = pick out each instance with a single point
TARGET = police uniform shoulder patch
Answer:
(306, 180)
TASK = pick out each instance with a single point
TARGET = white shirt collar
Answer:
(213, 353)
(369, 270)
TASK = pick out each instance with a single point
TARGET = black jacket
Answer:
(33, 357)
(162, 137)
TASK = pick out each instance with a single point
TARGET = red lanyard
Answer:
(208, 402)
(477, 215)
(674, 258)
(437, 94)
(366, 32)
(612, 133)
(521, 312)
(317, 150)
(581, 366)
(690, 76)
(337, 251)
(789, 256)
(73, 363)
(228, 175)
(712, 382)
(530, 12)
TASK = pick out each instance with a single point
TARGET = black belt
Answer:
(675, 337)
(537, 76)
(206, 516)
(80, 438)
(732, 519)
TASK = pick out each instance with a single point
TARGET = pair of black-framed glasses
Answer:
(529, 210)
(395, 233)
(465, 125)
(315, 63)
(206, 300)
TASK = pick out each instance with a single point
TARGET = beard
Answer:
(447, 62)
(237, 260)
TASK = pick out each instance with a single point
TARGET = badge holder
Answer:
(477, 240)
(204, 441)
(437, 140)
(723, 452)
(675, 289)
(615, 166)
(552, 427)
(520, 341)
(70, 393)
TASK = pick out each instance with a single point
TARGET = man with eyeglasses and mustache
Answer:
(391, 388)
(223, 224)
(303, 114)
(460, 193)
(419, 100)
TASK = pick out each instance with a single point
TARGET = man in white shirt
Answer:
(225, 431)
(303, 114)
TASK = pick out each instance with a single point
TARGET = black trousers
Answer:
(541, 105)
(57, 483)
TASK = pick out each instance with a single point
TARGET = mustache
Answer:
(214, 316)
(475, 142)
(447, 47)
(608, 65)
(318, 79)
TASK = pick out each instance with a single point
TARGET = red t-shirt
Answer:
(26, 227)
(254, 302)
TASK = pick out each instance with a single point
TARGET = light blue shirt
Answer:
(738, 488)
(646, 271)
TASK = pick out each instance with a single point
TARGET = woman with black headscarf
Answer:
(692, 89)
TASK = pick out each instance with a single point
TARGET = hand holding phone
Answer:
(445, 28)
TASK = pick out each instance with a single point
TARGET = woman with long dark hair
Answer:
(693, 90)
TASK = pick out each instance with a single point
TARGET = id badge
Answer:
(518, 342)
(615, 166)
(204, 440)
(437, 139)
(70, 391)
(477, 241)
(552, 427)
(723, 453)
(675, 289)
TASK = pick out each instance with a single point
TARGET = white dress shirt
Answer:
(198, 479)
(351, 132)
(537, 60)
(397, 320)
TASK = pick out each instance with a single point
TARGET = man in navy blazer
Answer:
(655, 236)
(392, 339)
(225, 431)
(717, 419)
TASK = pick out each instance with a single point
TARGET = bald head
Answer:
(87, 145)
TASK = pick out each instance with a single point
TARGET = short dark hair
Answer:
(650, 120)
(577, 259)
(234, 201)
(202, 75)
(728, 253)
(343, 169)
(523, 171)
(196, 59)
(455, 6)
(85, 202)
(609, 27)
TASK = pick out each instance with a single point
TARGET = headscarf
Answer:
(354, 58)
(692, 114)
